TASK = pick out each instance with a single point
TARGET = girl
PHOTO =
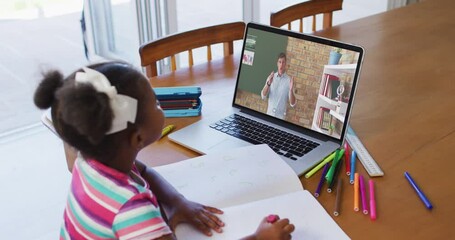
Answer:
(109, 112)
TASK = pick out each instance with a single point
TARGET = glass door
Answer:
(184, 15)
(112, 29)
(115, 29)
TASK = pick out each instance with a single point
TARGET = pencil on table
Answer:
(372, 201)
(336, 212)
(335, 176)
(166, 130)
(353, 156)
(356, 192)
(320, 165)
(333, 167)
(321, 181)
(363, 195)
(346, 159)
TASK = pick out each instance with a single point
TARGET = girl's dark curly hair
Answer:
(82, 116)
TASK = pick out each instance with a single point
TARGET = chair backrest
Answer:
(169, 46)
(306, 9)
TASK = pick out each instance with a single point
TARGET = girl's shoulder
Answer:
(107, 183)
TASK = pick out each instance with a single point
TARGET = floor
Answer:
(34, 183)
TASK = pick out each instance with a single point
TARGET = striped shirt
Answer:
(104, 203)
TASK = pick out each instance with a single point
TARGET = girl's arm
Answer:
(177, 207)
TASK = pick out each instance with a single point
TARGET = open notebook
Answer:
(248, 184)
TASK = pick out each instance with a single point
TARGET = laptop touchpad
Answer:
(227, 143)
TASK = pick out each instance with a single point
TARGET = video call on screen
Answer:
(322, 76)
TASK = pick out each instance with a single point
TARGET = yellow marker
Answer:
(167, 130)
(320, 165)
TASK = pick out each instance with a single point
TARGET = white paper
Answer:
(230, 178)
(310, 219)
(248, 184)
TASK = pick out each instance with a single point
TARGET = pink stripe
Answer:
(140, 200)
(142, 225)
(111, 202)
(91, 206)
(73, 232)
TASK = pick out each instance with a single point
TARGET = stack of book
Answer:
(180, 101)
(324, 118)
(331, 83)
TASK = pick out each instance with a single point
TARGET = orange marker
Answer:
(356, 192)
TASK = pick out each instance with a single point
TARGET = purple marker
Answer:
(362, 195)
(321, 181)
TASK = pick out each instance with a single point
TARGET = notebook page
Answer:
(233, 177)
(301, 208)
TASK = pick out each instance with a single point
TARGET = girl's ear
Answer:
(137, 140)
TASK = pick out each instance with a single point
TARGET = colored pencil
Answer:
(356, 192)
(321, 181)
(336, 212)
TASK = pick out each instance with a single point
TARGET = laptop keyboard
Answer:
(283, 143)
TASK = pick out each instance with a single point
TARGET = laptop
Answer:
(294, 92)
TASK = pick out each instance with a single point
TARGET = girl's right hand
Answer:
(280, 230)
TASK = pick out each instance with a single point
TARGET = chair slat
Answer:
(173, 63)
(306, 9)
(313, 28)
(209, 53)
(327, 20)
(228, 48)
(190, 58)
(156, 50)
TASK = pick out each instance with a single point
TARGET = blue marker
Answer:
(353, 156)
(418, 191)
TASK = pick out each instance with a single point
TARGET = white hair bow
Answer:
(123, 107)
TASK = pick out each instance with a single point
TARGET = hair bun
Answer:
(86, 110)
(45, 92)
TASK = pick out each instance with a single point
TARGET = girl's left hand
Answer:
(199, 216)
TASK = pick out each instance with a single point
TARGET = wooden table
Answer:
(404, 113)
(217, 80)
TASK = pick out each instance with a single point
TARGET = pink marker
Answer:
(272, 218)
(372, 201)
(363, 195)
(346, 159)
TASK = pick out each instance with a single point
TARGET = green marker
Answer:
(336, 160)
(320, 165)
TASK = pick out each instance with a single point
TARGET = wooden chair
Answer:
(306, 9)
(169, 46)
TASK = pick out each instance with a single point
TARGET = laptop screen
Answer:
(304, 80)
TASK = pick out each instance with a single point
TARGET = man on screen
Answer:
(279, 88)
